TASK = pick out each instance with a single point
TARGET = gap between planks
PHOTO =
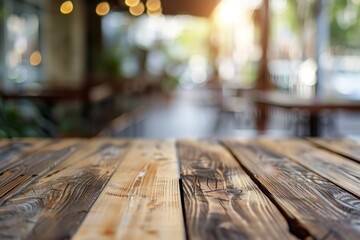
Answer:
(25, 161)
(339, 170)
(220, 199)
(343, 146)
(309, 201)
(13, 149)
(54, 206)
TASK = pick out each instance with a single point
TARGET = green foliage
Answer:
(126, 57)
(287, 17)
(14, 124)
(194, 37)
(345, 35)
(169, 83)
(344, 20)
(73, 125)
(2, 12)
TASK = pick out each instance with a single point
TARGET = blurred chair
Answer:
(235, 107)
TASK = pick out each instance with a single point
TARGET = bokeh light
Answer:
(153, 5)
(35, 58)
(102, 8)
(132, 3)
(137, 10)
(66, 7)
(155, 13)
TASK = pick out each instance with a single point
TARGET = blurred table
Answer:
(88, 92)
(312, 105)
(87, 96)
(105, 188)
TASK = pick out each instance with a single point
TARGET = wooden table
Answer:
(136, 189)
(313, 105)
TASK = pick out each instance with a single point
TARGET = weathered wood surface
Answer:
(341, 171)
(142, 199)
(129, 189)
(10, 150)
(343, 146)
(54, 207)
(314, 206)
(20, 170)
(220, 199)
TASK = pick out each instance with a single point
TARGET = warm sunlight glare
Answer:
(232, 15)
(227, 11)
(66, 7)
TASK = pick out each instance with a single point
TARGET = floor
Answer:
(195, 114)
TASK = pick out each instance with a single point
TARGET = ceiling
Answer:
(201, 8)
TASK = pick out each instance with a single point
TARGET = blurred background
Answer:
(172, 69)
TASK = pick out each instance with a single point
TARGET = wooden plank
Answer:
(220, 199)
(18, 172)
(11, 150)
(315, 206)
(142, 199)
(346, 147)
(4, 142)
(341, 171)
(54, 207)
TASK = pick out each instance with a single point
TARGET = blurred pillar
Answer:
(64, 43)
(2, 43)
(93, 39)
(322, 41)
(262, 82)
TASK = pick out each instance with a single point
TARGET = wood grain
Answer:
(341, 171)
(54, 207)
(314, 206)
(18, 172)
(346, 147)
(220, 199)
(141, 200)
(11, 150)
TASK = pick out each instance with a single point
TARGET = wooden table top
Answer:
(285, 100)
(105, 188)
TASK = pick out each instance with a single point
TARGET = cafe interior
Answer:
(164, 69)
